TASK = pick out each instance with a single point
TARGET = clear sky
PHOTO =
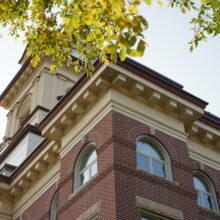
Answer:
(168, 53)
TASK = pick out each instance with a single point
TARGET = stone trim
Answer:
(158, 208)
(91, 212)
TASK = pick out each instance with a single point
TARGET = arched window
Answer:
(54, 206)
(152, 157)
(24, 107)
(86, 166)
(205, 191)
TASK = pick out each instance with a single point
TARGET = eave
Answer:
(160, 80)
(207, 130)
(211, 120)
(86, 92)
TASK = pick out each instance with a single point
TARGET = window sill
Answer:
(169, 181)
(81, 187)
(211, 211)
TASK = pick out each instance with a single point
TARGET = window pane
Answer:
(158, 168)
(94, 169)
(143, 162)
(199, 184)
(199, 200)
(148, 149)
(207, 201)
(89, 158)
(84, 177)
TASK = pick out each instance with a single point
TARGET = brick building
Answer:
(126, 144)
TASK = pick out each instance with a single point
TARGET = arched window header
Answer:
(24, 107)
(206, 196)
(152, 157)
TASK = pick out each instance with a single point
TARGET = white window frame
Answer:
(54, 206)
(151, 162)
(78, 172)
(158, 146)
(206, 181)
(88, 167)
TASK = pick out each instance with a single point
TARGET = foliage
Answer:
(97, 28)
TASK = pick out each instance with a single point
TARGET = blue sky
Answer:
(168, 53)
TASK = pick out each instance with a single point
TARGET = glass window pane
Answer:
(158, 168)
(94, 169)
(199, 200)
(199, 184)
(143, 162)
(148, 149)
(89, 158)
(207, 201)
(84, 177)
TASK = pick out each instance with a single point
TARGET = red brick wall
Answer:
(118, 181)
(40, 208)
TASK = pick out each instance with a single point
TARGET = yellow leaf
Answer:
(148, 2)
(160, 3)
(53, 68)
(66, 20)
(206, 1)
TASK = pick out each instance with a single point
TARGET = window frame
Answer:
(54, 206)
(155, 144)
(207, 182)
(78, 171)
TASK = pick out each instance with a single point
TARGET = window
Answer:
(86, 166)
(205, 192)
(24, 108)
(152, 157)
(54, 206)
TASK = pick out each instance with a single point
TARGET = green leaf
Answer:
(183, 10)
(134, 53)
(206, 1)
(122, 54)
(141, 47)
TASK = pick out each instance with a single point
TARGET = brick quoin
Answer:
(118, 181)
